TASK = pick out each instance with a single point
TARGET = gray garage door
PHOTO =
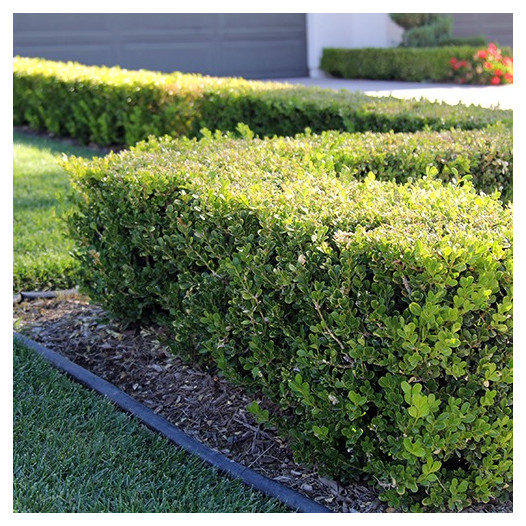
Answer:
(249, 45)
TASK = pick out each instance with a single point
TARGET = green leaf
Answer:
(415, 309)
(415, 449)
(320, 432)
(431, 466)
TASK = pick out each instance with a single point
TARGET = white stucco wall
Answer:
(347, 30)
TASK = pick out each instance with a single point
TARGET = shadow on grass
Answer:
(55, 146)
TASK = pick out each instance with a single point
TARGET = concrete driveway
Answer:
(485, 96)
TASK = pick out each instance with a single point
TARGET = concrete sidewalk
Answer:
(485, 96)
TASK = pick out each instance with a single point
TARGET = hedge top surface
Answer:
(117, 106)
(277, 176)
(416, 51)
(115, 75)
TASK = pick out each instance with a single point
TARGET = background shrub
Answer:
(431, 34)
(428, 35)
(432, 29)
(111, 106)
(412, 20)
(411, 64)
(375, 316)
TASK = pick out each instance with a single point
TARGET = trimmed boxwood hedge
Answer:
(487, 155)
(410, 64)
(375, 317)
(111, 106)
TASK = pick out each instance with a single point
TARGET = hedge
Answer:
(111, 106)
(410, 64)
(371, 320)
(486, 155)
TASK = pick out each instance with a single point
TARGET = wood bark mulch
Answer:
(197, 401)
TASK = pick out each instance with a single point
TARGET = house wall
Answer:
(347, 30)
(496, 27)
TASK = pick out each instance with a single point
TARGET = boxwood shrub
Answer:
(112, 106)
(485, 154)
(371, 320)
(410, 64)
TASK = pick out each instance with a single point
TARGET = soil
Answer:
(199, 402)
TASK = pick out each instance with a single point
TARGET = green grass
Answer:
(74, 452)
(41, 246)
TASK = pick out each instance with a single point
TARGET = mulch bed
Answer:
(199, 402)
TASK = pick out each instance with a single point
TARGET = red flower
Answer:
(487, 66)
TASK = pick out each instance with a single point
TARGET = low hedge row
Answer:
(410, 64)
(374, 316)
(487, 155)
(113, 106)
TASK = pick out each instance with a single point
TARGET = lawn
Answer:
(74, 452)
(41, 246)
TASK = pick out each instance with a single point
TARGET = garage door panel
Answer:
(146, 37)
(59, 22)
(63, 40)
(277, 56)
(91, 55)
(168, 57)
(269, 35)
(255, 21)
(172, 22)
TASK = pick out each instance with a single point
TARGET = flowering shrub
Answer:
(488, 66)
